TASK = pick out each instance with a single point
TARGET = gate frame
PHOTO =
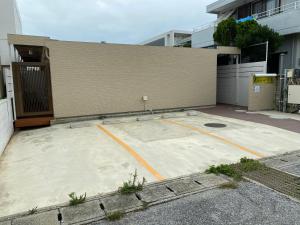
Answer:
(19, 94)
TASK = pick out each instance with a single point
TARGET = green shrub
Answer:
(245, 34)
(251, 32)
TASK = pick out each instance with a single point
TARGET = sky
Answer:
(113, 21)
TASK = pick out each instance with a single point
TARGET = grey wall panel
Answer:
(233, 82)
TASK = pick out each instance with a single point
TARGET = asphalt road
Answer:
(248, 204)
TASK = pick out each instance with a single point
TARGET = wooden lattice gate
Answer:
(32, 87)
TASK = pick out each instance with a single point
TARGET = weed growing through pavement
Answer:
(248, 165)
(132, 185)
(75, 200)
(117, 215)
(32, 211)
(226, 169)
(235, 170)
(229, 185)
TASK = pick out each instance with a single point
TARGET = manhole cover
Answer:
(215, 125)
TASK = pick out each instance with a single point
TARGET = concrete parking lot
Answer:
(40, 167)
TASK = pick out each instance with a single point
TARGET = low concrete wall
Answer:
(6, 123)
(6, 112)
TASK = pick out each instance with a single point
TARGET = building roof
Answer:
(225, 5)
(164, 34)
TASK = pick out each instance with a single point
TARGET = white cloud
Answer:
(120, 21)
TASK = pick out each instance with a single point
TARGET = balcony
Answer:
(282, 9)
(284, 19)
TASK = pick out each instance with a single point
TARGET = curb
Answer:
(96, 208)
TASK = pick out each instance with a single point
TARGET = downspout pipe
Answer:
(281, 82)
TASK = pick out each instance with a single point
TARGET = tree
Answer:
(250, 32)
(226, 32)
(246, 33)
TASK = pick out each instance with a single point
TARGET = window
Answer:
(244, 11)
(271, 4)
(258, 7)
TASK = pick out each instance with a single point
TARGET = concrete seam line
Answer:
(202, 131)
(133, 153)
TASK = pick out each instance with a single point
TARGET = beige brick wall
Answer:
(93, 78)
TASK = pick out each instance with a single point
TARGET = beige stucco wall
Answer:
(93, 78)
(264, 99)
(228, 50)
(27, 40)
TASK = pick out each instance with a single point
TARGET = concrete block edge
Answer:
(11, 218)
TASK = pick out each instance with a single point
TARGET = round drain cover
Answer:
(215, 125)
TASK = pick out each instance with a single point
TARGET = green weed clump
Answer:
(132, 185)
(32, 211)
(225, 169)
(236, 170)
(248, 165)
(75, 200)
(117, 215)
(229, 185)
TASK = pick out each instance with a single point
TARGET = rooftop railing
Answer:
(205, 26)
(284, 8)
(182, 41)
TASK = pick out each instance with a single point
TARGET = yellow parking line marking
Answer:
(133, 153)
(202, 131)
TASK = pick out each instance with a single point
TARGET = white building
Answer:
(170, 39)
(280, 15)
(10, 22)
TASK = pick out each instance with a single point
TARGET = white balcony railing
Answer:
(182, 41)
(284, 8)
(205, 26)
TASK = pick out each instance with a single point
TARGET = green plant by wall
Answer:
(75, 200)
(245, 34)
(132, 185)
